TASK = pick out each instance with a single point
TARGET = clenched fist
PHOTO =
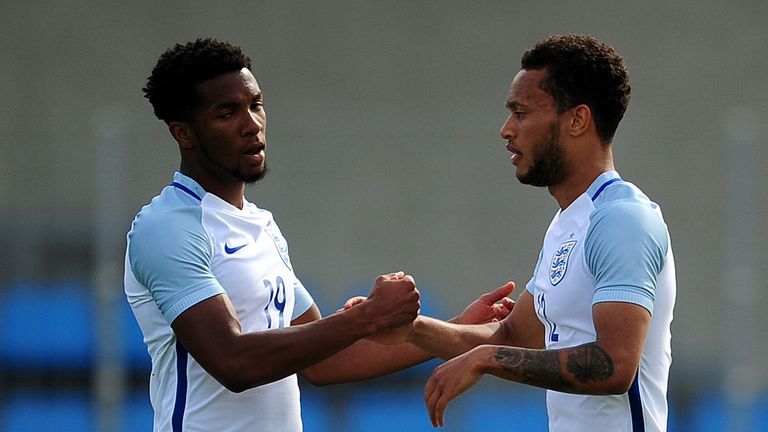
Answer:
(392, 302)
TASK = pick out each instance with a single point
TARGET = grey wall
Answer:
(383, 137)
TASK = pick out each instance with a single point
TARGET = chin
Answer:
(254, 177)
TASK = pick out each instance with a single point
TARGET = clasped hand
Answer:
(392, 302)
(490, 306)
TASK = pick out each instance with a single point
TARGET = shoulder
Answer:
(170, 226)
(626, 225)
(624, 210)
(165, 224)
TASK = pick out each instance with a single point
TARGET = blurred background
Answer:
(383, 145)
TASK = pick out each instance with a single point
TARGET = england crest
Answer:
(559, 264)
(280, 243)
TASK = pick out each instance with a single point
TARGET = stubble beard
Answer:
(548, 168)
(231, 174)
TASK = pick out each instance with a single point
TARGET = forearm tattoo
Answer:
(539, 368)
(587, 363)
(590, 363)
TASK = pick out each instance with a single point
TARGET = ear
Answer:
(183, 134)
(580, 120)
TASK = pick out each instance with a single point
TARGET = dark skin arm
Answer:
(365, 359)
(361, 360)
(606, 366)
(212, 334)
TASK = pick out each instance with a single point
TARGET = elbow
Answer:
(621, 381)
(608, 374)
(315, 377)
(617, 387)
(234, 386)
(233, 382)
(617, 368)
(624, 383)
(237, 384)
(232, 378)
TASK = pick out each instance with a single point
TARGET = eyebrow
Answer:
(512, 105)
(233, 104)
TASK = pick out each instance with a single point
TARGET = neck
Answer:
(231, 191)
(581, 176)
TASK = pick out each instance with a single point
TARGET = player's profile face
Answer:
(230, 127)
(532, 131)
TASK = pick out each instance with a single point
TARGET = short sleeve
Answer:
(302, 299)
(170, 254)
(625, 249)
(532, 282)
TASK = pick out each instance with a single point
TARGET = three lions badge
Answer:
(559, 264)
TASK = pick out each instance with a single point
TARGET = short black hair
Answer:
(171, 87)
(583, 70)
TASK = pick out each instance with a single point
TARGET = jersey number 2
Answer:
(554, 336)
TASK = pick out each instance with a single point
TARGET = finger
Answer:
(440, 405)
(390, 276)
(432, 407)
(508, 303)
(499, 293)
(354, 301)
(429, 390)
(500, 311)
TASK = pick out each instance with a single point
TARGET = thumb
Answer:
(499, 293)
(354, 301)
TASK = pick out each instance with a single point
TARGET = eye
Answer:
(225, 115)
(518, 114)
(257, 105)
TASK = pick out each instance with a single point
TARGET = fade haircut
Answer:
(583, 70)
(171, 87)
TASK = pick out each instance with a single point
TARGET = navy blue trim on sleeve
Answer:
(603, 186)
(178, 185)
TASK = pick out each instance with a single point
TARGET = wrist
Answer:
(417, 330)
(457, 319)
(483, 358)
(361, 320)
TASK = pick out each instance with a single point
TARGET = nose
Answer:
(254, 122)
(507, 131)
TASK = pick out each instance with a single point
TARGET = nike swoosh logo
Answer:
(231, 250)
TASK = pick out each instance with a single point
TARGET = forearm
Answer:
(364, 360)
(290, 350)
(447, 340)
(584, 369)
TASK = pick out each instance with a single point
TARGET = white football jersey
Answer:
(187, 246)
(610, 245)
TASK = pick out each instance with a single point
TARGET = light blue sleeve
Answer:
(302, 299)
(169, 253)
(625, 248)
(529, 286)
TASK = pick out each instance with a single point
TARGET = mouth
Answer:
(516, 155)
(255, 153)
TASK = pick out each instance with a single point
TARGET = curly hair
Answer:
(171, 87)
(583, 70)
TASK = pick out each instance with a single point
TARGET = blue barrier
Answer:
(46, 326)
(52, 326)
(47, 411)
